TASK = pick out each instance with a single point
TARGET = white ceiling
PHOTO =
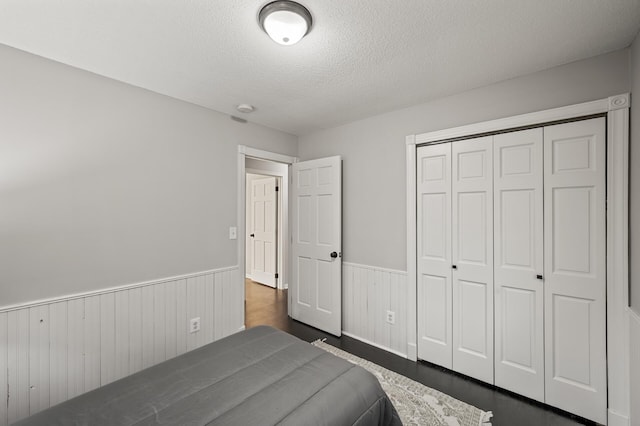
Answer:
(362, 57)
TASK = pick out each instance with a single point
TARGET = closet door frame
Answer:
(616, 109)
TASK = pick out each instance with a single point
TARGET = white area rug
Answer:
(416, 403)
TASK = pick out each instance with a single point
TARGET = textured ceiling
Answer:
(362, 57)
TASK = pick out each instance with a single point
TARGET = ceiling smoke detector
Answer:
(246, 108)
(286, 22)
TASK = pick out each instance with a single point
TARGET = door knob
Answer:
(539, 277)
(252, 235)
(454, 267)
(333, 255)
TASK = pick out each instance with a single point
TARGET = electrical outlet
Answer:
(391, 317)
(233, 233)
(194, 325)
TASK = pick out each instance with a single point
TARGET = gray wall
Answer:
(634, 169)
(103, 184)
(373, 149)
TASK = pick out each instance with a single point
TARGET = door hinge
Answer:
(276, 275)
(277, 189)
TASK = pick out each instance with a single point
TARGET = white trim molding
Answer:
(412, 284)
(53, 350)
(113, 289)
(374, 344)
(266, 155)
(523, 120)
(619, 102)
(618, 260)
(617, 110)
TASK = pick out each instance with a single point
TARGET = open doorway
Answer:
(266, 222)
(265, 248)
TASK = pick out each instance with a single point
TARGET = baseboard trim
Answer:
(369, 342)
(617, 419)
(108, 290)
(412, 349)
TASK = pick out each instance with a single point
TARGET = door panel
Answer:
(519, 294)
(472, 254)
(473, 327)
(575, 262)
(434, 254)
(572, 251)
(472, 227)
(434, 309)
(316, 290)
(263, 228)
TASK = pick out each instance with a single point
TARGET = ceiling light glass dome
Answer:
(286, 22)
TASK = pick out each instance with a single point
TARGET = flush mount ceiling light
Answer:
(286, 22)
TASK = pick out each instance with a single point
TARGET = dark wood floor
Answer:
(268, 306)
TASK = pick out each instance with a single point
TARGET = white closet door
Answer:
(472, 243)
(519, 289)
(434, 254)
(575, 275)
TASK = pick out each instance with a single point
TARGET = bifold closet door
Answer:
(518, 242)
(472, 256)
(434, 254)
(575, 267)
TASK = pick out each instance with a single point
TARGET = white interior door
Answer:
(316, 288)
(472, 244)
(263, 244)
(518, 272)
(575, 267)
(434, 254)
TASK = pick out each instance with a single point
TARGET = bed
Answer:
(261, 376)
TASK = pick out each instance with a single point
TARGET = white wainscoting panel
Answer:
(367, 294)
(51, 351)
(3, 369)
(634, 337)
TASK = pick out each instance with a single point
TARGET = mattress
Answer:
(261, 376)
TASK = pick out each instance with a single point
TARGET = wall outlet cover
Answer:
(391, 317)
(194, 325)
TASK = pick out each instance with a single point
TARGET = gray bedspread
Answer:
(261, 376)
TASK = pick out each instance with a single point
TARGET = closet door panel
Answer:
(472, 244)
(519, 294)
(575, 267)
(434, 254)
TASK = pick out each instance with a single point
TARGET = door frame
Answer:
(245, 152)
(616, 109)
